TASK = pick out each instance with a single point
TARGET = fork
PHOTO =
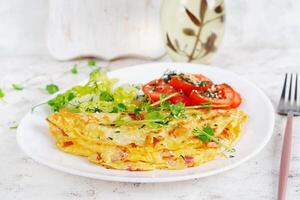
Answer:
(288, 106)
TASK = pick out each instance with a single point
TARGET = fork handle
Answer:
(285, 158)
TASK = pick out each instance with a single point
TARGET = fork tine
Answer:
(296, 89)
(290, 90)
(289, 103)
(284, 88)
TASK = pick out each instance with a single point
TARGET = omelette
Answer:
(135, 147)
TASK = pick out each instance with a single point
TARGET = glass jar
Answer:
(192, 29)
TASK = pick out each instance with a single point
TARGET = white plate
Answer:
(35, 140)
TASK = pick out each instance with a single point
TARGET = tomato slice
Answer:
(157, 87)
(237, 100)
(219, 95)
(189, 82)
(191, 93)
(154, 89)
(181, 98)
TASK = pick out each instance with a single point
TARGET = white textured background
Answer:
(261, 43)
(263, 23)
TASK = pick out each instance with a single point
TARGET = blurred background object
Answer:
(23, 25)
(192, 30)
(108, 30)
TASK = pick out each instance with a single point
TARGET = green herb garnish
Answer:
(206, 134)
(92, 63)
(163, 102)
(52, 88)
(155, 115)
(155, 119)
(177, 110)
(17, 86)
(121, 107)
(164, 97)
(2, 94)
(38, 105)
(74, 70)
(201, 83)
(168, 75)
(106, 96)
(14, 126)
(207, 105)
(61, 100)
(148, 107)
(137, 111)
(114, 110)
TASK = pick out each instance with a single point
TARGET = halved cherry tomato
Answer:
(221, 95)
(154, 89)
(189, 82)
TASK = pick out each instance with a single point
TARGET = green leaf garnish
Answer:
(207, 131)
(121, 107)
(61, 100)
(106, 96)
(207, 105)
(74, 70)
(17, 86)
(206, 134)
(14, 126)
(155, 119)
(203, 138)
(163, 102)
(38, 105)
(137, 111)
(149, 108)
(155, 115)
(177, 110)
(114, 110)
(52, 88)
(2, 94)
(92, 63)
(163, 98)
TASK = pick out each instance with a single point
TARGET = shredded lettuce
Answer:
(99, 94)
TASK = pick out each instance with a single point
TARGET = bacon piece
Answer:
(135, 116)
(98, 157)
(68, 143)
(133, 145)
(189, 160)
(212, 145)
(134, 170)
(155, 141)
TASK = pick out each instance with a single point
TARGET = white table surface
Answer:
(23, 178)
